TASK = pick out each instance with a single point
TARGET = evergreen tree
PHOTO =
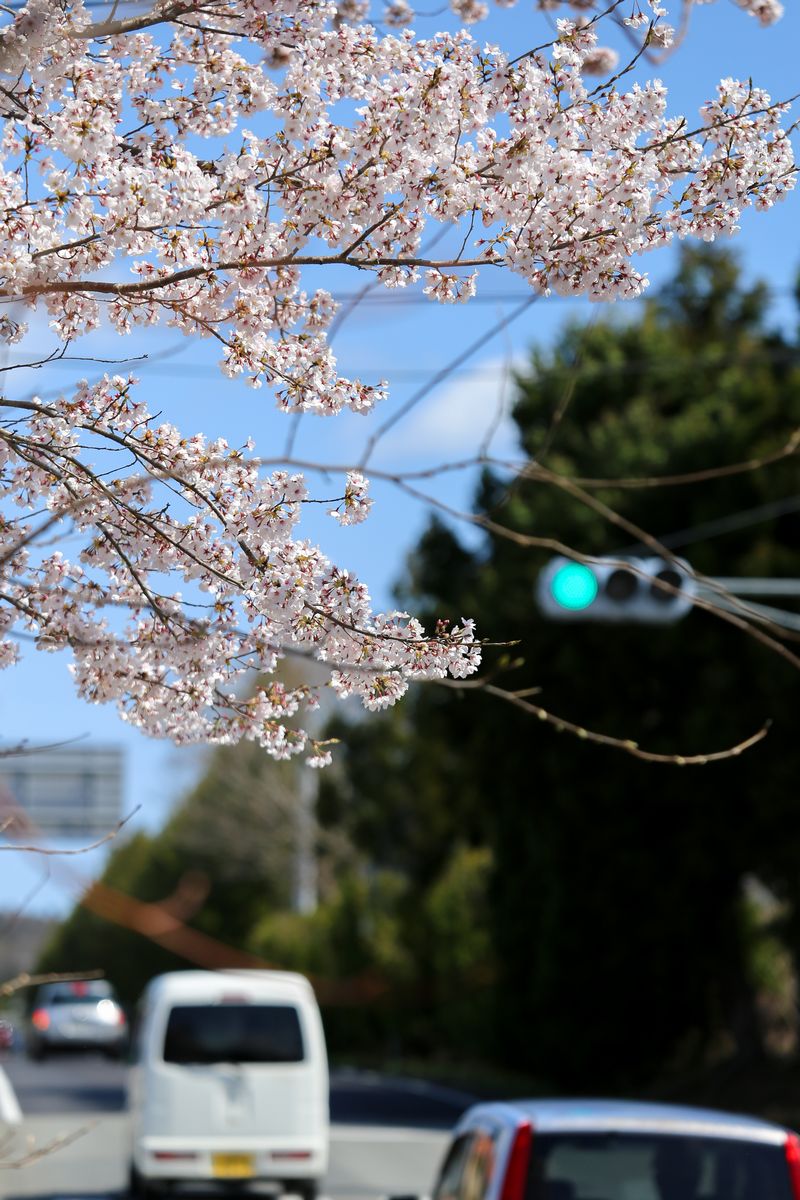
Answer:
(616, 898)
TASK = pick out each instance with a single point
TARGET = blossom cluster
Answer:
(202, 515)
(657, 33)
(368, 140)
(355, 504)
(186, 165)
(399, 12)
(766, 11)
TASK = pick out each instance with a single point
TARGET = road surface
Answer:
(387, 1135)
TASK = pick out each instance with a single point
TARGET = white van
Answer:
(229, 1082)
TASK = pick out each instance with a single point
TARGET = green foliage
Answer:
(291, 941)
(454, 906)
(413, 969)
(355, 930)
(462, 965)
(353, 948)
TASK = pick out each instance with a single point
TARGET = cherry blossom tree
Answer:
(187, 164)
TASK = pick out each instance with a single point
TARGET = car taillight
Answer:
(793, 1163)
(517, 1170)
(174, 1155)
(120, 1017)
(40, 1019)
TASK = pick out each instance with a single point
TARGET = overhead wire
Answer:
(730, 524)
(717, 591)
(787, 355)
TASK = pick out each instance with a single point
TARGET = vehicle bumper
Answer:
(55, 1040)
(202, 1158)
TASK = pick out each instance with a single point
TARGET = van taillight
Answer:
(173, 1155)
(516, 1178)
(40, 1019)
(291, 1154)
(793, 1163)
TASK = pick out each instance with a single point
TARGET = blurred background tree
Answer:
(616, 896)
(232, 840)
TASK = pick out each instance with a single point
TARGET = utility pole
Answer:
(305, 863)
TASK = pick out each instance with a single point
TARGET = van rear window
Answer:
(623, 1166)
(245, 1033)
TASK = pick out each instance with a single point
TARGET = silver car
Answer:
(614, 1150)
(80, 1015)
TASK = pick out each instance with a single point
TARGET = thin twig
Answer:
(107, 837)
(519, 700)
(58, 1143)
(441, 375)
(25, 980)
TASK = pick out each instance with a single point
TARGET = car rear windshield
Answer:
(78, 992)
(252, 1033)
(655, 1167)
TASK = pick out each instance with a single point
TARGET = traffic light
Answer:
(621, 589)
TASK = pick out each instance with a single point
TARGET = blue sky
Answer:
(406, 343)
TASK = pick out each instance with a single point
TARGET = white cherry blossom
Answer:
(185, 166)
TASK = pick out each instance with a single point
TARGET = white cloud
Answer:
(458, 418)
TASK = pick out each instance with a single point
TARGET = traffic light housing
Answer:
(622, 589)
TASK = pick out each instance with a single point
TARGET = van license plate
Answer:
(232, 1166)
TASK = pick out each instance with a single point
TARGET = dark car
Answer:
(82, 1014)
(612, 1150)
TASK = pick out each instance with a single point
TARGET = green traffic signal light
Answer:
(574, 586)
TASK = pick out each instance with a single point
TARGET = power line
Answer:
(729, 524)
(788, 355)
(392, 297)
(763, 612)
(197, 370)
(742, 520)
